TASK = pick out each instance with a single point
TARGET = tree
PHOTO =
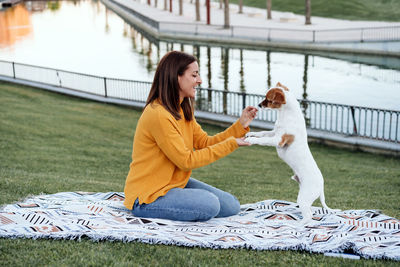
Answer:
(180, 7)
(226, 14)
(197, 10)
(308, 12)
(269, 15)
(240, 6)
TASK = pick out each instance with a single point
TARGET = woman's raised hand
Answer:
(248, 114)
(241, 142)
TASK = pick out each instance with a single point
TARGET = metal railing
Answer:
(360, 121)
(390, 33)
(366, 34)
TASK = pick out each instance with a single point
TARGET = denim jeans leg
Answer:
(229, 204)
(180, 205)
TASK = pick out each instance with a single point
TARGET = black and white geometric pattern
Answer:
(266, 225)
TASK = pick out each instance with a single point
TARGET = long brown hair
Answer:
(165, 85)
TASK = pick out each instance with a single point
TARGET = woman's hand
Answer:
(248, 114)
(241, 142)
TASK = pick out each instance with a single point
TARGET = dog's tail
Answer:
(322, 198)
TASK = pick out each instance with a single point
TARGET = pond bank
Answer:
(331, 35)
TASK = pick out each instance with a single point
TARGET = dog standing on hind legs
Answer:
(289, 136)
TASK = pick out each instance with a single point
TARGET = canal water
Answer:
(86, 37)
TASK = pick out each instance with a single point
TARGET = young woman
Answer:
(169, 143)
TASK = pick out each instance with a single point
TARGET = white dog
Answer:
(289, 136)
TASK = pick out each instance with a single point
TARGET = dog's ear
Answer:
(276, 97)
(282, 86)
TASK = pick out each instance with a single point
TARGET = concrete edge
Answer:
(353, 142)
(74, 93)
(120, 9)
(254, 43)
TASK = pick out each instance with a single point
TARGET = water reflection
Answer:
(39, 6)
(133, 54)
(268, 69)
(107, 26)
(209, 67)
(225, 76)
(241, 73)
(226, 72)
(15, 24)
(53, 5)
(304, 104)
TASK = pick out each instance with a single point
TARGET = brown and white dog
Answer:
(289, 136)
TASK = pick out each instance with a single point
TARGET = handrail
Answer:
(350, 120)
(285, 29)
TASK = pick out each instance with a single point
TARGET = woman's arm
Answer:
(169, 139)
(237, 130)
(201, 139)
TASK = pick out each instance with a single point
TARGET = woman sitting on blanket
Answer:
(169, 143)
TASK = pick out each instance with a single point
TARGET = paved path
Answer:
(252, 25)
(251, 17)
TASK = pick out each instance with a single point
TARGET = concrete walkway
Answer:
(251, 16)
(289, 29)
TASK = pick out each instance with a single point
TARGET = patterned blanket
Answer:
(266, 225)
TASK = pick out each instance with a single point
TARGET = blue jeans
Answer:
(198, 201)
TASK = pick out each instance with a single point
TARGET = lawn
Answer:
(379, 10)
(52, 143)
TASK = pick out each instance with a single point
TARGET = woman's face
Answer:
(189, 81)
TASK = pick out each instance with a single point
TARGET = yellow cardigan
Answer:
(165, 151)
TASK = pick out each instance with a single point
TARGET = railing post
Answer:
(59, 79)
(354, 121)
(105, 86)
(13, 66)
(313, 36)
(231, 31)
(362, 35)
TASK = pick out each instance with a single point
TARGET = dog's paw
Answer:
(251, 134)
(332, 211)
(296, 178)
(251, 140)
(301, 224)
(309, 223)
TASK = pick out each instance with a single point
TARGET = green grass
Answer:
(52, 143)
(379, 10)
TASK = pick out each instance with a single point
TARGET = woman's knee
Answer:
(204, 206)
(230, 205)
(209, 208)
